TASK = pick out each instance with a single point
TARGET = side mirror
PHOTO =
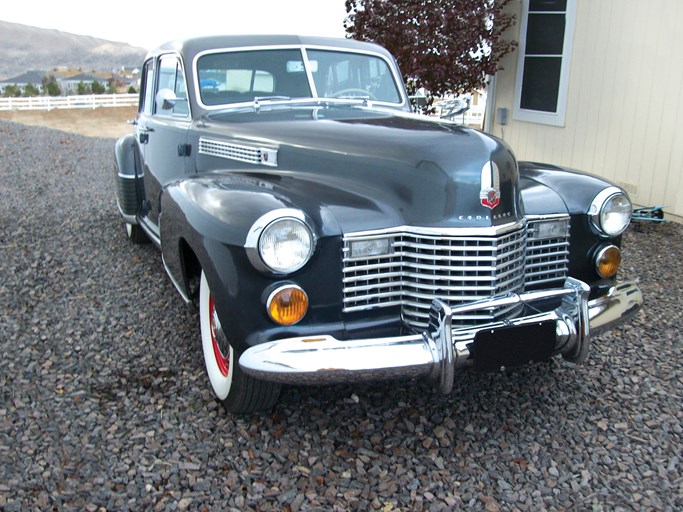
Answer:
(166, 99)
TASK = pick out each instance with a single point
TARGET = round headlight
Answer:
(285, 245)
(611, 211)
(280, 241)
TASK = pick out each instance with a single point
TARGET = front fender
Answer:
(195, 211)
(576, 189)
(545, 186)
(202, 220)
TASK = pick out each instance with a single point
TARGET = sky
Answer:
(149, 23)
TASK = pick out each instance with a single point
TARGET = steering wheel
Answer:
(345, 92)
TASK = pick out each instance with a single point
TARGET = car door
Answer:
(162, 134)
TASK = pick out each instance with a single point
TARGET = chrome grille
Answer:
(419, 266)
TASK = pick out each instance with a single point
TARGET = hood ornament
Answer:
(490, 185)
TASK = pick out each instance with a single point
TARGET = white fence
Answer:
(474, 116)
(56, 102)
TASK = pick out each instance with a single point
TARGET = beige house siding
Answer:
(624, 117)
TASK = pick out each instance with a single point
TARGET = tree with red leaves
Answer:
(444, 46)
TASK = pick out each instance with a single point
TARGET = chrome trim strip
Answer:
(553, 262)
(477, 233)
(149, 230)
(138, 174)
(309, 73)
(128, 219)
(548, 216)
(182, 293)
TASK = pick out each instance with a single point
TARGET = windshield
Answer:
(352, 75)
(245, 76)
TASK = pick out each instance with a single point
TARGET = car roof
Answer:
(191, 47)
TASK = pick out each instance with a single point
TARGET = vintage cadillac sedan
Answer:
(326, 234)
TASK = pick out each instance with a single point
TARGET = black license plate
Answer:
(513, 346)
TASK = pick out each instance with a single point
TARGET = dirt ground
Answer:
(99, 122)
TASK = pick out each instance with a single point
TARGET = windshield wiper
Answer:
(364, 99)
(261, 102)
(268, 102)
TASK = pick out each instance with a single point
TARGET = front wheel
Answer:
(238, 392)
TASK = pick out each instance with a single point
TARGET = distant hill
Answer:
(23, 47)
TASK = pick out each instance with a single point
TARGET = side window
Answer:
(543, 69)
(147, 89)
(172, 78)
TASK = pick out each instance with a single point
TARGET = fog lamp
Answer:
(287, 305)
(369, 248)
(607, 261)
(552, 229)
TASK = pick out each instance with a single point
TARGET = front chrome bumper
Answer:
(442, 350)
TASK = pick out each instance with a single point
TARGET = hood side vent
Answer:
(238, 152)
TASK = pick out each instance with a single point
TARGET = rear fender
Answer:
(130, 192)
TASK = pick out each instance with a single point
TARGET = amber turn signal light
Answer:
(287, 305)
(607, 261)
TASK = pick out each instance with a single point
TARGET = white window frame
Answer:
(536, 116)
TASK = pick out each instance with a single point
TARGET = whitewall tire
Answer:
(238, 392)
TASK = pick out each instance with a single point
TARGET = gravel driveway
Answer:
(104, 404)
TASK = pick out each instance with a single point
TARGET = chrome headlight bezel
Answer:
(610, 212)
(261, 254)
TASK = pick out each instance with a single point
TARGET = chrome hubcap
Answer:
(218, 340)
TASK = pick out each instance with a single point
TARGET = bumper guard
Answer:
(440, 351)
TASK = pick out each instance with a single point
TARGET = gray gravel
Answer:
(104, 404)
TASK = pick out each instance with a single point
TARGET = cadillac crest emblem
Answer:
(490, 185)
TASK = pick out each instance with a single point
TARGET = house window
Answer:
(546, 37)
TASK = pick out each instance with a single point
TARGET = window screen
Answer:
(543, 54)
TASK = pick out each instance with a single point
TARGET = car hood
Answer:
(372, 169)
